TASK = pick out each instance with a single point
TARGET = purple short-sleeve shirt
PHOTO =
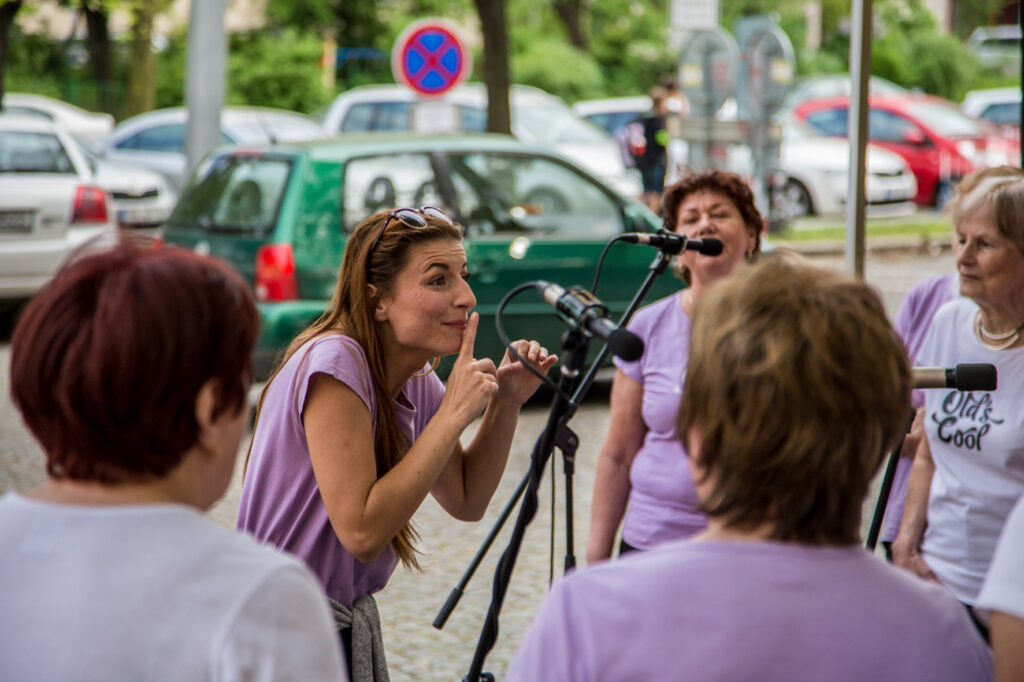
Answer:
(663, 503)
(281, 503)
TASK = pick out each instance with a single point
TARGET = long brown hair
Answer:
(351, 313)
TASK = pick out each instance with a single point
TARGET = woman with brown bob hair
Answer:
(355, 429)
(640, 465)
(131, 368)
(795, 388)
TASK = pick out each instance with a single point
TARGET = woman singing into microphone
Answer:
(641, 464)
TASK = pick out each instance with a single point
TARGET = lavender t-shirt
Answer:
(281, 502)
(727, 611)
(912, 323)
(663, 503)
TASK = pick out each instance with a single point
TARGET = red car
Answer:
(940, 144)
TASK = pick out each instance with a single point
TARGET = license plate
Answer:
(16, 222)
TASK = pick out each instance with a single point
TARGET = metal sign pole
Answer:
(205, 59)
(857, 133)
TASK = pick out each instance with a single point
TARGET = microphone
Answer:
(673, 243)
(580, 308)
(967, 377)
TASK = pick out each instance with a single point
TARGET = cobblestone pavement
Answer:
(416, 650)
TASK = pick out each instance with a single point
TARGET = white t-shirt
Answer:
(153, 592)
(1004, 587)
(977, 443)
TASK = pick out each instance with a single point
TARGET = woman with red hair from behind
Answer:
(131, 368)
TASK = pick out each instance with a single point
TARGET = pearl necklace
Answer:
(1007, 338)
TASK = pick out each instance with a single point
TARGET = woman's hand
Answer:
(471, 382)
(516, 383)
(906, 556)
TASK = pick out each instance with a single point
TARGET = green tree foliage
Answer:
(910, 51)
(559, 68)
(265, 68)
(279, 70)
(629, 42)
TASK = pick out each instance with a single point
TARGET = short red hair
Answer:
(108, 358)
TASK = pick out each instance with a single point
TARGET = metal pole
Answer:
(205, 59)
(857, 133)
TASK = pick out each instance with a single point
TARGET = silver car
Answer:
(50, 204)
(156, 139)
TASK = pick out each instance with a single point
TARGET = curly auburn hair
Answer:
(721, 182)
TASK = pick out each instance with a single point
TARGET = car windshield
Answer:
(236, 193)
(945, 120)
(25, 152)
(541, 123)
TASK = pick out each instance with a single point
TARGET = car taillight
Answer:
(274, 279)
(90, 205)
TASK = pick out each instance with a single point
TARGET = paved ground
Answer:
(417, 651)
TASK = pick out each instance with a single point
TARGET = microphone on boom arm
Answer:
(673, 243)
(580, 308)
(966, 377)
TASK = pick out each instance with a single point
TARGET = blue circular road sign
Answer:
(429, 58)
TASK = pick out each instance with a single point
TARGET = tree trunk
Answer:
(141, 88)
(570, 11)
(100, 54)
(7, 11)
(495, 66)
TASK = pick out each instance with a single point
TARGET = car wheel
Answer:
(547, 200)
(798, 199)
(379, 195)
(427, 195)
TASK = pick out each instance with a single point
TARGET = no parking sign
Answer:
(429, 57)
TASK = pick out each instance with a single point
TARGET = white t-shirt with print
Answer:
(153, 592)
(977, 443)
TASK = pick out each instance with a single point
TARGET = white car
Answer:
(537, 118)
(156, 139)
(91, 126)
(50, 205)
(141, 198)
(816, 167)
(998, 105)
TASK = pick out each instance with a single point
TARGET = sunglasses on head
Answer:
(410, 217)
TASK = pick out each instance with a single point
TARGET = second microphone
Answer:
(580, 308)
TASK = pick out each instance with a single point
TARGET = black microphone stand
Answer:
(656, 269)
(886, 488)
(555, 433)
(574, 345)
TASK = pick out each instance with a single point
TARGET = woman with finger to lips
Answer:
(642, 482)
(969, 471)
(354, 428)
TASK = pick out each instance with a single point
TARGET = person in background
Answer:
(653, 163)
(131, 368)
(912, 321)
(969, 471)
(354, 428)
(1002, 595)
(641, 462)
(795, 386)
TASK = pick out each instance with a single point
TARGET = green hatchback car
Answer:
(281, 214)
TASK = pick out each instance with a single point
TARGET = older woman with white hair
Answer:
(969, 472)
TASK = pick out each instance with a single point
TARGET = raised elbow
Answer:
(363, 546)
